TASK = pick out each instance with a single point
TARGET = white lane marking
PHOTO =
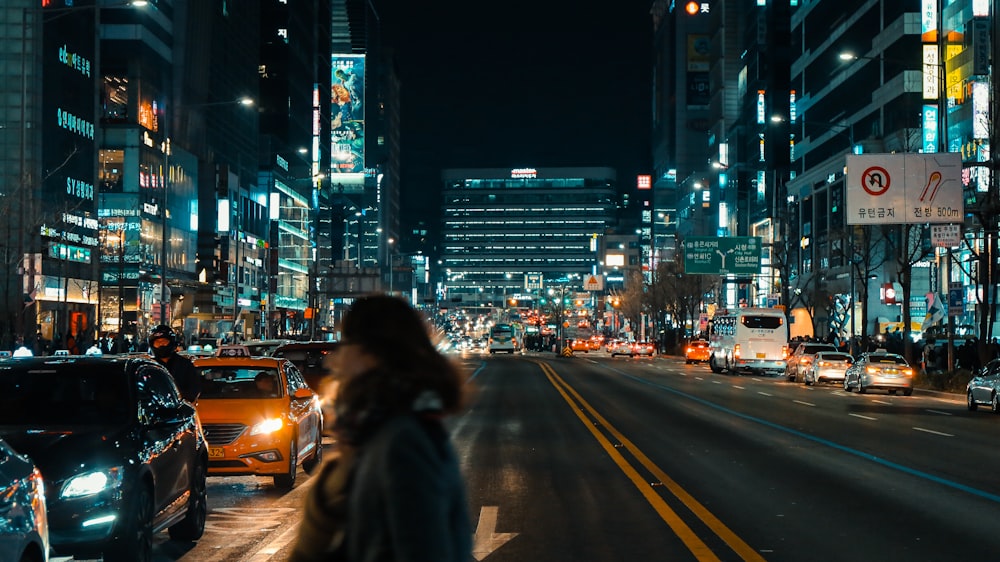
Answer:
(882, 402)
(699, 378)
(764, 393)
(716, 382)
(933, 432)
(940, 412)
(863, 417)
(272, 548)
(486, 540)
(238, 520)
(739, 387)
(804, 403)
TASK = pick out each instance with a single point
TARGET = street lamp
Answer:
(391, 243)
(165, 182)
(507, 278)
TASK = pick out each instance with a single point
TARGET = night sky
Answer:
(520, 83)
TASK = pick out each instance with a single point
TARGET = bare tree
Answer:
(905, 243)
(633, 298)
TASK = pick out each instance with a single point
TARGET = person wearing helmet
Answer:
(163, 346)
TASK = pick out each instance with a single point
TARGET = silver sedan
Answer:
(881, 370)
(828, 366)
(983, 388)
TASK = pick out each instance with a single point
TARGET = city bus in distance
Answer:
(505, 337)
(749, 340)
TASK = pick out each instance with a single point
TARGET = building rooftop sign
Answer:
(522, 173)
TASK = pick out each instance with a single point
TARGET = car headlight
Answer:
(267, 426)
(90, 483)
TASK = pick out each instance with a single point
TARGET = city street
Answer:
(600, 459)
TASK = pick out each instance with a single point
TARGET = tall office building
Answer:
(890, 78)
(215, 68)
(295, 80)
(680, 140)
(507, 232)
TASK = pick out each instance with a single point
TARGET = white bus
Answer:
(749, 340)
(505, 337)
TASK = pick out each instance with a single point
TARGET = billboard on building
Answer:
(347, 120)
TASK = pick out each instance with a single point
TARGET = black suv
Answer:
(308, 356)
(122, 455)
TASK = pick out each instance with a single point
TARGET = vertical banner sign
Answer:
(347, 121)
(931, 69)
(929, 118)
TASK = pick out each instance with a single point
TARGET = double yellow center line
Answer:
(698, 548)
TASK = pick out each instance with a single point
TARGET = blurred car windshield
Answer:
(239, 383)
(63, 394)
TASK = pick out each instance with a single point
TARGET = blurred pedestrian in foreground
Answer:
(394, 492)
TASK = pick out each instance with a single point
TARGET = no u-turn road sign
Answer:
(904, 188)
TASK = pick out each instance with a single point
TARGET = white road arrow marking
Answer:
(486, 540)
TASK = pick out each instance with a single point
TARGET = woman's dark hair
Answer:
(390, 329)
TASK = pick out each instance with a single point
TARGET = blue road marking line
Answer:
(477, 371)
(889, 464)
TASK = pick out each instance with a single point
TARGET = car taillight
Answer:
(872, 370)
(825, 363)
(690, 349)
(736, 351)
(908, 372)
(784, 351)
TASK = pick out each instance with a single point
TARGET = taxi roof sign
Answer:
(233, 351)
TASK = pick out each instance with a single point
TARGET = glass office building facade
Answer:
(504, 230)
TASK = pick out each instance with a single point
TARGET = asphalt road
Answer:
(598, 459)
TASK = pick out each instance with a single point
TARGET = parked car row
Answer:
(814, 363)
(123, 456)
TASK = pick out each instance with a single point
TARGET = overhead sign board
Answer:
(904, 188)
(739, 255)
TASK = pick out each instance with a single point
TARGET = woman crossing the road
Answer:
(394, 492)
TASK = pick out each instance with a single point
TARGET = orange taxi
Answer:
(696, 351)
(259, 416)
(580, 345)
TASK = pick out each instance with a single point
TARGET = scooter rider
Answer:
(163, 346)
